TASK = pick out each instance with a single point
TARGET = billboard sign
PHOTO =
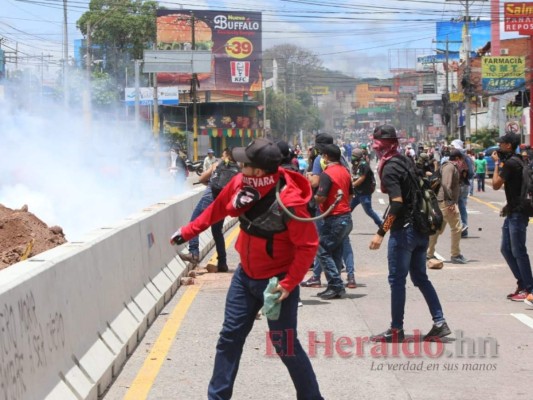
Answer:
(232, 37)
(453, 33)
(428, 100)
(502, 73)
(165, 96)
(518, 17)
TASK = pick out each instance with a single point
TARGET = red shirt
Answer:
(334, 178)
(293, 250)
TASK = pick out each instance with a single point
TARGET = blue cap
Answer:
(210, 151)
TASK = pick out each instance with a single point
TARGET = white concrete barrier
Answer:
(71, 316)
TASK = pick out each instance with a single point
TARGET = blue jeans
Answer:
(407, 250)
(366, 201)
(514, 250)
(347, 255)
(332, 235)
(243, 301)
(461, 203)
(216, 229)
(480, 181)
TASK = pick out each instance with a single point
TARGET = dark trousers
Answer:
(514, 250)
(216, 229)
(243, 301)
(407, 250)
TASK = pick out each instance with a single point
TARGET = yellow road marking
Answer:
(229, 239)
(144, 380)
(483, 202)
(491, 205)
(146, 376)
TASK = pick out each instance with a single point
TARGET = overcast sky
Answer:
(358, 37)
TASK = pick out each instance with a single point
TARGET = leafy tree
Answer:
(121, 28)
(295, 66)
(103, 90)
(485, 137)
(290, 113)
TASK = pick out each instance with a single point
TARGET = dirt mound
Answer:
(23, 235)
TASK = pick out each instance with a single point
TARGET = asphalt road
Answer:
(488, 355)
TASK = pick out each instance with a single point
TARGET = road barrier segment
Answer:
(71, 316)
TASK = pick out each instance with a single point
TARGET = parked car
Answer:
(490, 162)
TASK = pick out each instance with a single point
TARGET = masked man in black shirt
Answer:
(407, 247)
(508, 170)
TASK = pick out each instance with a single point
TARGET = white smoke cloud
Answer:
(75, 178)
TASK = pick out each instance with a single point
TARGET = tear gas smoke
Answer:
(74, 178)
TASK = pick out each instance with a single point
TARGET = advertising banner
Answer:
(453, 33)
(428, 100)
(165, 96)
(518, 17)
(502, 73)
(233, 37)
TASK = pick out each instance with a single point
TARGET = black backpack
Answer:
(222, 174)
(373, 181)
(423, 207)
(526, 191)
(435, 180)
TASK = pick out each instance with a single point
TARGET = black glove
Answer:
(246, 196)
(176, 238)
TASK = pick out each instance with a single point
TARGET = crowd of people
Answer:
(295, 214)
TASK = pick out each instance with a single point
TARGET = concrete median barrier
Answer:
(71, 316)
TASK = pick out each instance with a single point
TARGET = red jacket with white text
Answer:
(293, 249)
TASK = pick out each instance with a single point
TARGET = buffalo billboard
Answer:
(234, 39)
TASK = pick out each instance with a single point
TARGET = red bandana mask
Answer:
(251, 190)
(385, 149)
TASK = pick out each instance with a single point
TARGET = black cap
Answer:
(455, 154)
(321, 139)
(385, 132)
(509, 137)
(332, 151)
(260, 153)
(284, 148)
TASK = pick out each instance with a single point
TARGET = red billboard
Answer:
(234, 39)
(518, 17)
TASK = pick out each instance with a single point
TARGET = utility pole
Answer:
(2, 60)
(195, 84)
(86, 94)
(264, 106)
(66, 97)
(450, 109)
(156, 107)
(467, 45)
(137, 94)
(88, 51)
(466, 72)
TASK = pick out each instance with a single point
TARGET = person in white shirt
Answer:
(209, 160)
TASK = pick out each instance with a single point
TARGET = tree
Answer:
(290, 113)
(121, 28)
(295, 66)
(485, 137)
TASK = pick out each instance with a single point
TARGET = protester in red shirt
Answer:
(333, 181)
(270, 244)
